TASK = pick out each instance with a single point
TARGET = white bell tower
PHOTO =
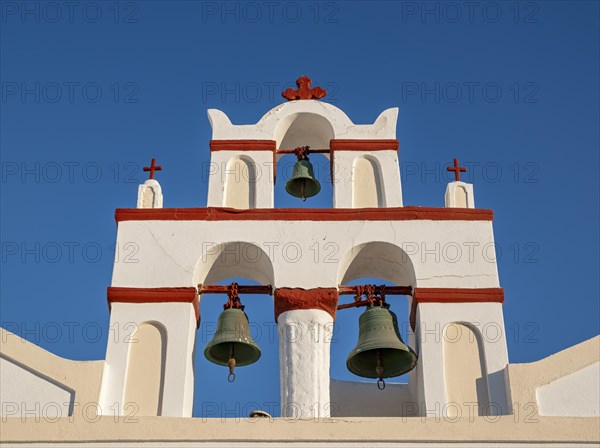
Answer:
(442, 258)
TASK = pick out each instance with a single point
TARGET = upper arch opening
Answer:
(234, 259)
(377, 259)
(303, 129)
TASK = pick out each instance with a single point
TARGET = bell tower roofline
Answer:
(275, 123)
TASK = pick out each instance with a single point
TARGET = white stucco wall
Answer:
(364, 399)
(32, 392)
(432, 319)
(179, 322)
(451, 254)
(275, 123)
(575, 395)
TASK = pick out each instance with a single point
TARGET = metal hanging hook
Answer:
(380, 384)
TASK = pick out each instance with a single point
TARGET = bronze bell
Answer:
(380, 352)
(303, 183)
(232, 344)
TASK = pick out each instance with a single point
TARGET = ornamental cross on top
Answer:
(457, 169)
(152, 168)
(304, 91)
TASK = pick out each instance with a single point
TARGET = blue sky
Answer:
(91, 92)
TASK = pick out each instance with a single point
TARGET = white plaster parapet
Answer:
(150, 195)
(274, 124)
(460, 194)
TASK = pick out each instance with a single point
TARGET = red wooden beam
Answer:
(315, 151)
(389, 290)
(242, 289)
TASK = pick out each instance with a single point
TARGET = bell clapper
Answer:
(302, 187)
(379, 370)
(231, 365)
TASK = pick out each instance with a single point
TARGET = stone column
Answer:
(305, 325)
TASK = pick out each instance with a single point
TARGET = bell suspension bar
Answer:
(372, 292)
(357, 291)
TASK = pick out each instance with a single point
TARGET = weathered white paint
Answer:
(304, 348)
(179, 322)
(150, 195)
(576, 395)
(429, 375)
(464, 371)
(452, 254)
(460, 194)
(31, 393)
(145, 375)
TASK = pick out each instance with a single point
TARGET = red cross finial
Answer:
(304, 91)
(457, 169)
(152, 168)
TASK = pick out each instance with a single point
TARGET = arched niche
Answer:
(367, 187)
(145, 374)
(234, 259)
(461, 197)
(240, 183)
(378, 260)
(464, 370)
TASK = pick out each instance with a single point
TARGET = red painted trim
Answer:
(334, 145)
(243, 145)
(364, 145)
(154, 295)
(453, 295)
(304, 214)
(287, 299)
